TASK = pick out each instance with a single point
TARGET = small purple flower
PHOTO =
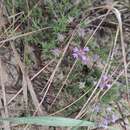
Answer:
(56, 52)
(86, 49)
(114, 118)
(106, 121)
(105, 82)
(95, 58)
(75, 50)
(80, 53)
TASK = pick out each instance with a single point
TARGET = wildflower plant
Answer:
(81, 54)
(105, 123)
(105, 82)
(108, 119)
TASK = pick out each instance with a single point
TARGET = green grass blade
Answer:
(51, 121)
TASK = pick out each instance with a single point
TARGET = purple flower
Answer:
(86, 49)
(105, 82)
(106, 121)
(114, 118)
(80, 53)
(56, 52)
(95, 58)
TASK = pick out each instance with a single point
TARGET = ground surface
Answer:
(68, 56)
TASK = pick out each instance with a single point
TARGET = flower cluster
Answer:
(108, 119)
(105, 82)
(105, 123)
(80, 53)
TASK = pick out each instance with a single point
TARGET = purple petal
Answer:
(108, 85)
(75, 49)
(86, 49)
(106, 121)
(105, 77)
(102, 85)
(105, 82)
(75, 55)
(83, 57)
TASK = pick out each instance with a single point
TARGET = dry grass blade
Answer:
(11, 25)
(113, 49)
(117, 33)
(24, 87)
(111, 54)
(29, 84)
(17, 14)
(24, 82)
(5, 124)
(71, 103)
(42, 69)
(64, 83)
(118, 16)
(2, 81)
(84, 106)
(21, 35)
(31, 80)
(29, 13)
(57, 66)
